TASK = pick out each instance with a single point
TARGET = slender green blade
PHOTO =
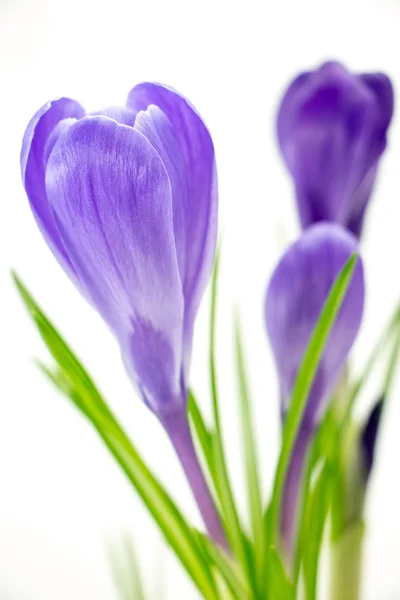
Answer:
(135, 576)
(322, 455)
(304, 380)
(280, 588)
(119, 574)
(224, 490)
(203, 435)
(205, 439)
(314, 524)
(391, 368)
(237, 585)
(72, 380)
(391, 329)
(175, 529)
(73, 370)
(304, 496)
(125, 570)
(251, 465)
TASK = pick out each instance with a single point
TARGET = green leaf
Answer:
(134, 570)
(304, 380)
(237, 585)
(125, 570)
(392, 328)
(251, 465)
(323, 451)
(391, 368)
(224, 490)
(202, 433)
(72, 379)
(304, 495)
(279, 586)
(313, 529)
(205, 439)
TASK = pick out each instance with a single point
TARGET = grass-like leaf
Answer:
(391, 368)
(304, 380)
(73, 380)
(224, 490)
(203, 435)
(279, 586)
(314, 524)
(391, 329)
(125, 570)
(236, 584)
(251, 466)
(322, 455)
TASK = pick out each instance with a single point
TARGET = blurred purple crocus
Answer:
(295, 297)
(126, 199)
(369, 436)
(332, 128)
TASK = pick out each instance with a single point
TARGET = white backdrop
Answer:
(61, 496)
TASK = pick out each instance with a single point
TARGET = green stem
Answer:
(346, 559)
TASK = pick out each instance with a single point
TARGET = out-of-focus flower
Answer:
(332, 128)
(127, 201)
(369, 435)
(295, 298)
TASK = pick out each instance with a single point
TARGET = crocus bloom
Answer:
(332, 128)
(295, 297)
(127, 201)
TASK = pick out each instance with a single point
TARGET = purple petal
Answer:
(295, 297)
(286, 119)
(111, 196)
(332, 129)
(34, 155)
(200, 212)
(121, 114)
(158, 130)
(381, 86)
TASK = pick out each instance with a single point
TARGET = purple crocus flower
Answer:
(295, 297)
(126, 199)
(332, 128)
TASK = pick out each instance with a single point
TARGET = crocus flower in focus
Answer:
(295, 297)
(127, 201)
(332, 128)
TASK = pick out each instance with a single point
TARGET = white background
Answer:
(61, 496)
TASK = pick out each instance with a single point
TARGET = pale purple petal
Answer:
(158, 130)
(295, 297)
(111, 196)
(121, 114)
(287, 116)
(33, 165)
(201, 208)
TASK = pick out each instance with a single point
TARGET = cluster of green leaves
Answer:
(258, 556)
(324, 484)
(254, 569)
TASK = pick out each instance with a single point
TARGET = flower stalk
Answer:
(178, 430)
